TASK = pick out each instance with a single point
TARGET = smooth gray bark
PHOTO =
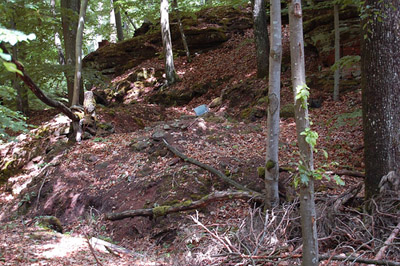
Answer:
(337, 53)
(170, 73)
(261, 37)
(78, 53)
(185, 45)
(275, 59)
(118, 22)
(380, 67)
(57, 40)
(69, 18)
(307, 203)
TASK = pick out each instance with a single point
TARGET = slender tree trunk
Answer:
(337, 54)
(307, 204)
(57, 40)
(118, 21)
(69, 18)
(261, 37)
(275, 58)
(130, 20)
(78, 55)
(380, 65)
(172, 77)
(185, 45)
(22, 92)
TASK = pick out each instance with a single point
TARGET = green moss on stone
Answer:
(261, 172)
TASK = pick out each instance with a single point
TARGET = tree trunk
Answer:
(337, 53)
(275, 58)
(69, 18)
(130, 20)
(118, 22)
(57, 40)
(172, 77)
(380, 65)
(185, 45)
(78, 55)
(261, 37)
(307, 204)
(22, 92)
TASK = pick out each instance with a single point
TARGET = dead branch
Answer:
(207, 167)
(388, 242)
(37, 91)
(346, 197)
(359, 259)
(116, 250)
(348, 173)
(92, 251)
(187, 205)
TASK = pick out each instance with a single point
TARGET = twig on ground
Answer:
(206, 167)
(360, 260)
(92, 250)
(388, 241)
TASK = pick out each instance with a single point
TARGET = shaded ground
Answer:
(131, 169)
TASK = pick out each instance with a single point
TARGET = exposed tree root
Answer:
(187, 205)
(388, 241)
(208, 168)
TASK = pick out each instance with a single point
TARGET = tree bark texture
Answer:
(118, 21)
(275, 59)
(380, 65)
(185, 45)
(38, 92)
(57, 40)
(261, 37)
(337, 53)
(167, 44)
(69, 18)
(78, 54)
(307, 203)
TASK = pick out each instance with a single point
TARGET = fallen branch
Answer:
(187, 205)
(359, 260)
(116, 250)
(37, 91)
(92, 251)
(388, 241)
(207, 167)
(342, 199)
(347, 172)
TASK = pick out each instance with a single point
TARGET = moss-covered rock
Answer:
(287, 111)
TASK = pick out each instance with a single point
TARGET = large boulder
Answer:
(205, 30)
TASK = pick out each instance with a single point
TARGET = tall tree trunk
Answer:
(172, 77)
(337, 53)
(261, 37)
(57, 40)
(78, 54)
(275, 58)
(185, 45)
(380, 65)
(307, 204)
(118, 21)
(69, 18)
(22, 92)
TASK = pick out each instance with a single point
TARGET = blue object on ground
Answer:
(201, 110)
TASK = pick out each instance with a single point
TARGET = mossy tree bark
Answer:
(307, 203)
(380, 65)
(275, 58)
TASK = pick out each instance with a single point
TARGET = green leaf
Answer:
(338, 180)
(12, 68)
(304, 179)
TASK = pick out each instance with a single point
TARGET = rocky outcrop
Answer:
(205, 30)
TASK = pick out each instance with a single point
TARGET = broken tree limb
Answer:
(37, 91)
(187, 205)
(359, 259)
(207, 167)
(388, 241)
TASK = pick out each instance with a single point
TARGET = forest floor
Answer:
(132, 169)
